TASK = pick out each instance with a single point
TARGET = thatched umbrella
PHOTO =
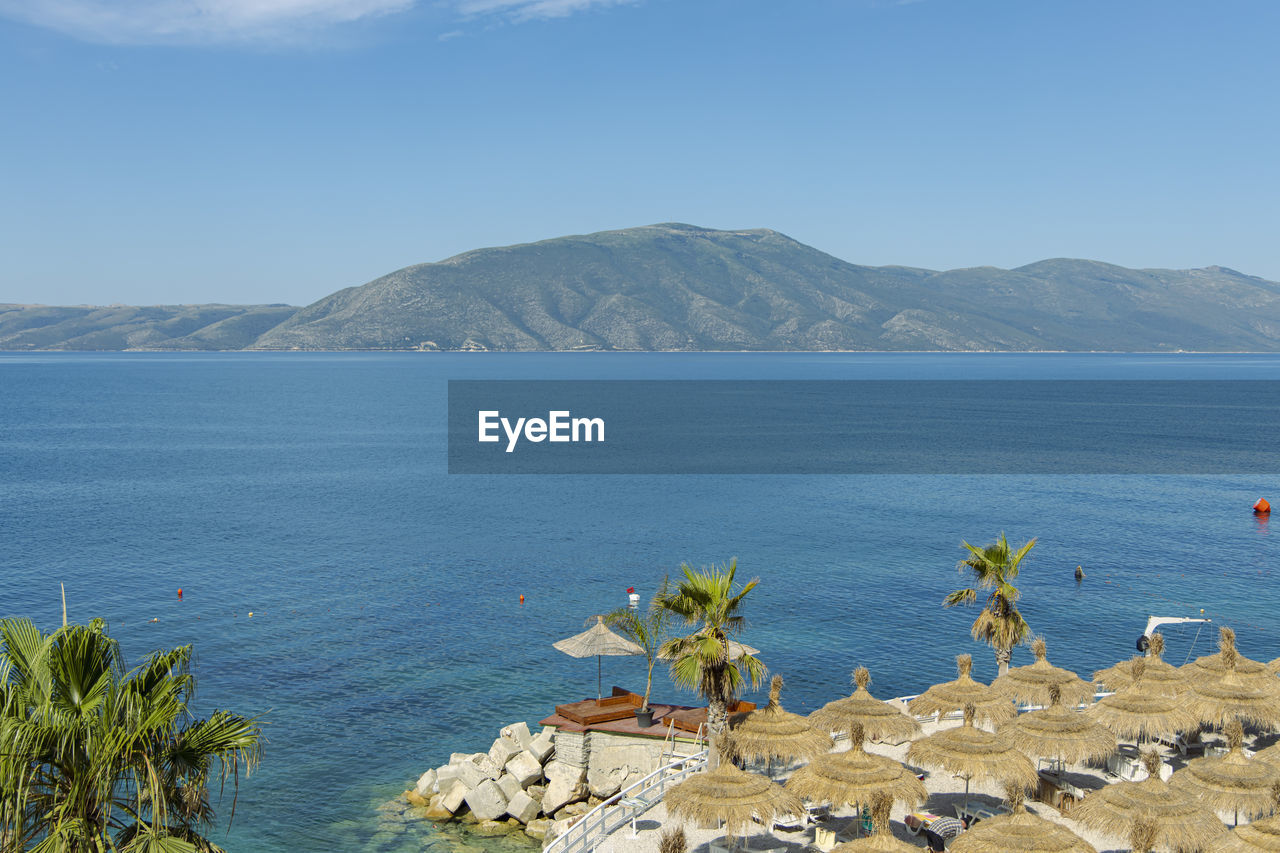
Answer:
(1231, 782)
(855, 777)
(878, 720)
(1180, 821)
(730, 795)
(1020, 832)
(1216, 664)
(1228, 695)
(596, 641)
(989, 705)
(1030, 684)
(1157, 674)
(1061, 733)
(881, 840)
(1261, 836)
(1140, 711)
(770, 732)
(973, 754)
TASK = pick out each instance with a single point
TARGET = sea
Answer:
(378, 613)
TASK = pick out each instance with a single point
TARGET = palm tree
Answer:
(701, 660)
(648, 630)
(999, 625)
(98, 759)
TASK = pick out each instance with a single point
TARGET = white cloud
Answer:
(523, 10)
(169, 21)
(214, 21)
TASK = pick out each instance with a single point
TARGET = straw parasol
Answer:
(1231, 782)
(989, 705)
(1215, 665)
(1058, 732)
(855, 777)
(730, 795)
(1158, 673)
(1141, 710)
(1020, 832)
(1220, 698)
(881, 840)
(1261, 835)
(973, 754)
(770, 732)
(1030, 684)
(1179, 819)
(879, 720)
(597, 641)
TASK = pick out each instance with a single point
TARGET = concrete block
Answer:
(502, 750)
(488, 766)
(445, 776)
(565, 784)
(487, 802)
(452, 799)
(525, 768)
(426, 784)
(510, 785)
(537, 828)
(522, 807)
(541, 747)
(469, 774)
(518, 732)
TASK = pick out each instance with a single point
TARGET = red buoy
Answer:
(179, 592)
(1262, 507)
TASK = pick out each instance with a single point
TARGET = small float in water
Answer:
(1262, 507)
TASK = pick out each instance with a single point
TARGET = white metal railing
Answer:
(595, 825)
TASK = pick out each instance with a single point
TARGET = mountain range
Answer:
(680, 287)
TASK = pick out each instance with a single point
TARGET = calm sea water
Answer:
(311, 490)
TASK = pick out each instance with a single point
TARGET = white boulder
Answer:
(565, 784)
(510, 785)
(518, 732)
(426, 784)
(525, 768)
(452, 799)
(487, 801)
(468, 773)
(502, 750)
(523, 807)
(541, 747)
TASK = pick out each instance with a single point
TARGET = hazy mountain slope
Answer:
(674, 287)
(679, 287)
(122, 327)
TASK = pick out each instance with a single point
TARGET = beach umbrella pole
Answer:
(599, 678)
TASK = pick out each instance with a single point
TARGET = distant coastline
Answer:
(680, 288)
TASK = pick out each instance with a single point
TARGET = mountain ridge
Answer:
(679, 287)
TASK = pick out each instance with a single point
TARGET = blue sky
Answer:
(161, 151)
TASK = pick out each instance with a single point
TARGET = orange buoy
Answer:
(1262, 507)
(179, 592)
(522, 598)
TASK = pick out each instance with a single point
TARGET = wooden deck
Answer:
(616, 713)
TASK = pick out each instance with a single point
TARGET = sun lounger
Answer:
(592, 711)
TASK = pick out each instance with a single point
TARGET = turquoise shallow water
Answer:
(386, 632)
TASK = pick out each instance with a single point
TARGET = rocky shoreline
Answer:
(519, 786)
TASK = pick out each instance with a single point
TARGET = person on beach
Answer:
(940, 830)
